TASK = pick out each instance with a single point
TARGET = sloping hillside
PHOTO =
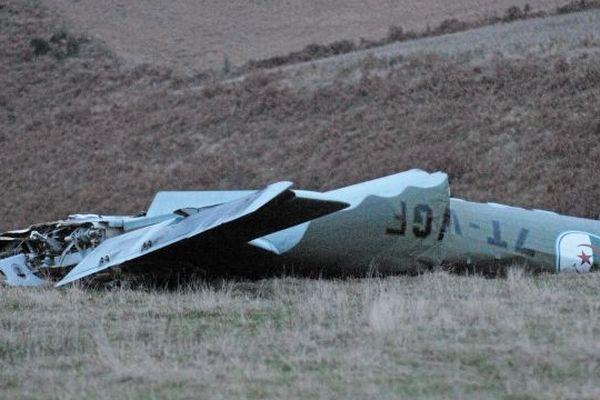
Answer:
(82, 131)
(193, 35)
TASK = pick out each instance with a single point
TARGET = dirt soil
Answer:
(193, 35)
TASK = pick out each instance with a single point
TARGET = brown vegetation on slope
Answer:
(86, 134)
(398, 34)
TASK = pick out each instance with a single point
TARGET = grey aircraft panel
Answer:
(117, 250)
(167, 201)
(17, 273)
(398, 233)
(281, 207)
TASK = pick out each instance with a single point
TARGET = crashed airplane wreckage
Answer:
(400, 223)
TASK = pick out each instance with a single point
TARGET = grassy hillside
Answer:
(81, 132)
(191, 35)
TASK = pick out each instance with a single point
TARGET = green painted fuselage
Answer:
(420, 226)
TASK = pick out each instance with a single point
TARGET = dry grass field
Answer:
(432, 336)
(104, 103)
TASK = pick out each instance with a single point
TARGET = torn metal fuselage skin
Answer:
(401, 223)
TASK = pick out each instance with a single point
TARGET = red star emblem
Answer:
(585, 258)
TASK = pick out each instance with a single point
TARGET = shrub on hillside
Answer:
(40, 46)
(513, 13)
(450, 26)
(61, 45)
(310, 52)
(577, 5)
